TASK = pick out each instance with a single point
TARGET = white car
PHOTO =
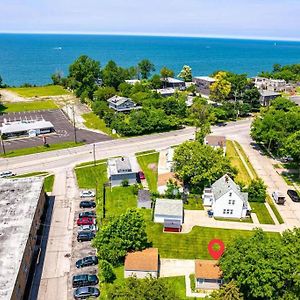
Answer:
(92, 228)
(5, 174)
(87, 194)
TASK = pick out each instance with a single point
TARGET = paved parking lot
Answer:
(64, 130)
(80, 250)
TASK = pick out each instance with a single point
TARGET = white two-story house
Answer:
(226, 199)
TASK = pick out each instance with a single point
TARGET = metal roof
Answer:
(205, 78)
(117, 100)
(20, 126)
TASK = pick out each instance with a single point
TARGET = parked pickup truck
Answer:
(278, 197)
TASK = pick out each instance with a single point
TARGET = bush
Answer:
(257, 191)
(125, 182)
(106, 272)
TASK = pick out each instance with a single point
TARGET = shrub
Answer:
(106, 272)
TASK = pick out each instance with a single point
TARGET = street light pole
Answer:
(94, 154)
(74, 125)
(2, 143)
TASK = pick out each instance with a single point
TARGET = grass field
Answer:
(92, 121)
(194, 202)
(151, 175)
(27, 106)
(177, 283)
(235, 160)
(262, 213)
(40, 91)
(39, 149)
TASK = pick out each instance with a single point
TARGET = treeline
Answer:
(278, 128)
(288, 73)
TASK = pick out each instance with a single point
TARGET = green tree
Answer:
(186, 73)
(106, 272)
(229, 291)
(83, 74)
(292, 147)
(145, 67)
(113, 75)
(165, 73)
(200, 165)
(142, 289)
(156, 82)
(117, 237)
(221, 88)
(57, 78)
(104, 93)
(100, 108)
(257, 191)
(264, 267)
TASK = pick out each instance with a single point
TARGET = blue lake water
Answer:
(33, 58)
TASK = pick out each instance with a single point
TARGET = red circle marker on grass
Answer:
(216, 254)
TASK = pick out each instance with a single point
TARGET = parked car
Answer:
(5, 174)
(86, 292)
(92, 228)
(87, 261)
(85, 236)
(84, 280)
(293, 195)
(141, 175)
(87, 194)
(91, 214)
(86, 221)
(87, 204)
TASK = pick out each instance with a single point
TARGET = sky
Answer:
(223, 18)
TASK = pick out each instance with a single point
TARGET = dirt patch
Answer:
(164, 178)
(152, 167)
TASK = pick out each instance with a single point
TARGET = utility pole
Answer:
(2, 143)
(74, 125)
(104, 199)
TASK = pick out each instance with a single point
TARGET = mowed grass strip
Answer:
(262, 213)
(39, 149)
(236, 162)
(92, 121)
(27, 106)
(40, 91)
(149, 163)
(48, 183)
(191, 245)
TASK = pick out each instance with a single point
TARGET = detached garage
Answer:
(170, 213)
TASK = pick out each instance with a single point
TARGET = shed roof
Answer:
(169, 207)
(144, 199)
(216, 140)
(172, 80)
(169, 223)
(145, 260)
(208, 269)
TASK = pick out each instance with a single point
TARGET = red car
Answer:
(86, 221)
(141, 175)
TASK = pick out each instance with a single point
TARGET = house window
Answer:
(227, 211)
(233, 202)
(231, 211)
(229, 202)
(230, 194)
(224, 211)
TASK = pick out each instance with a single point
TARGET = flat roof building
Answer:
(26, 127)
(22, 203)
(168, 210)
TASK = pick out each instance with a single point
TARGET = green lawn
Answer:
(31, 174)
(148, 163)
(275, 210)
(27, 106)
(92, 121)
(40, 91)
(262, 213)
(247, 220)
(38, 149)
(48, 183)
(246, 159)
(177, 283)
(235, 160)
(194, 202)
(189, 245)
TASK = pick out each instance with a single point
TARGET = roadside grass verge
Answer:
(236, 162)
(40, 91)
(92, 121)
(189, 245)
(31, 174)
(193, 282)
(148, 163)
(253, 171)
(247, 220)
(262, 213)
(91, 163)
(39, 149)
(275, 210)
(27, 106)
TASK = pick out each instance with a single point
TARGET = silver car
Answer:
(87, 194)
(6, 174)
(92, 228)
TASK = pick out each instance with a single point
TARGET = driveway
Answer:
(176, 267)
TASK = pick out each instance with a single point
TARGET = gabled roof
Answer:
(145, 260)
(169, 207)
(208, 269)
(226, 184)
